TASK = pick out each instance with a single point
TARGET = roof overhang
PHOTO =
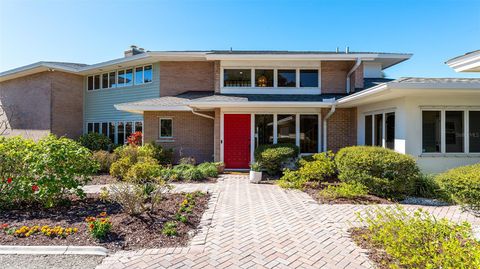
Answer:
(32, 69)
(469, 62)
(209, 105)
(140, 109)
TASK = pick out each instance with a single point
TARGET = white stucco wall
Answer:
(408, 126)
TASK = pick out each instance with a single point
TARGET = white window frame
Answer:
(384, 132)
(160, 128)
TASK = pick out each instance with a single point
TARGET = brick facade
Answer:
(193, 135)
(334, 76)
(341, 128)
(179, 77)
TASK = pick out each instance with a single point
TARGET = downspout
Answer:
(202, 115)
(357, 64)
(330, 113)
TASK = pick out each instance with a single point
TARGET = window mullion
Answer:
(383, 130)
(466, 130)
(252, 77)
(297, 130)
(275, 78)
(442, 132)
(275, 129)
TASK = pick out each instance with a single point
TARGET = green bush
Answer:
(105, 160)
(192, 174)
(169, 174)
(271, 157)
(420, 240)
(143, 172)
(164, 156)
(427, 187)
(384, 172)
(208, 169)
(291, 180)
(462, 185)
(344, 190)
(45, 172)
(95, 141)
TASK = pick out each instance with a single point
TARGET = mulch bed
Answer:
(127, 233)
(102, 179)
(361, 237)
(314, 189)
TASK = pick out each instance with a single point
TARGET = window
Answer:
(263, 78)
(474, 131)
(90, 127)
(237, 78)
(105, 81)
(128, 129)
(431, 131)
(263, 129)
(90, 83)
(368, 130)
(138, 75)
(120, 133)
(454, 135)
(308, 78)
(378, 129)
(286, 78)
(147, 74)
(286, 129)
(390, 130)
(112, 81)
(138, 126)
(129, 77)
(166, 128)
(104, 128)
(111, 131)
(121, 78)
(96, 82)
(308, 133)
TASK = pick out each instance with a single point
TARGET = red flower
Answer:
(9, 180)
(91, 226)
(34, 188)
(4, 226)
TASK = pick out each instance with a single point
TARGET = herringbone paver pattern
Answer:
(263, 226)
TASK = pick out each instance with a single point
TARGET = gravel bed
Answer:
(423, 201)
(49, 261)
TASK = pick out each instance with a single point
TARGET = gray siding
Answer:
(99, 104)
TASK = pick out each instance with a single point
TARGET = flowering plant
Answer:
(135, 139)
(99, 226)
(57, 231)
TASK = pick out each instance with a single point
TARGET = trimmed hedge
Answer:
(384, 172)
(462, 185)
(271, 157)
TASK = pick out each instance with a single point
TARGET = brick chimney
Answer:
(134, 50)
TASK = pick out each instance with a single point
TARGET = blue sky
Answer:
(94, 31)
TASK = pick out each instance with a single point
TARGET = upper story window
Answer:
(237, 78)
(121, 78)
(270, 78)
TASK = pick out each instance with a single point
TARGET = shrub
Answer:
(164, 156)
(291, 180)
(170, 229)
(208, 169)
(105, 160)
(128, 156)
(135, 139)
(96, 141)
(119, 168)
(344, 190)
(427, 187)
(272, 157)
(44, 172)
(384, 172)
(319, 168)
(143, 172)
(169, 174)
(99, 227)
(420, 240)
(462, 185)
(192, 174)
(130, 198)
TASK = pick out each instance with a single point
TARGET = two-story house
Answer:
(221, 105)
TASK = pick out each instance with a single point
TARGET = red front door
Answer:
(236, 140)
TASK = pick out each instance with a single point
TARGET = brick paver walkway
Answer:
(263, 226)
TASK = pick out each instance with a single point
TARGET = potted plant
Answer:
(255, 173)
(220, 167)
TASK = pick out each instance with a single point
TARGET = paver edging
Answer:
(53, 250)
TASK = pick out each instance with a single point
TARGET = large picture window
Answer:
(368, 130)
(308, 78)
(380, 130)
(286, 78)
(122, 78)
(263, 129)
(431, 131)
(286, 132)
(263, 78)
(454, 133)
(390, 130)
(474, 131)
(308, 133)
(237, 78)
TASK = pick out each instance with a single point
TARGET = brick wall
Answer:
(193, 135)
(67, 104)
(179, 77)
(341, 128)
(217, 74)
(334, 76)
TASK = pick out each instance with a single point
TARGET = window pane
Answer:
(165, 128)
(138, 126)
(111, 131)
(89, 127)
(147, 76)
(90, 83)
(308, 78)
(263, 78)
(96, 82)
(138, 75)
(121, 78)
(96, 127)
(378, 129)
(237, 78)
(308, 133)
(105, 81)
(390, 130)
(368, 130)
(104, 128)
(129, 77)
(263, 130)
(431, 131)
(128, 129)
(286, 129)
(474, 123)
(454, 131)
(120, 133)
(112, 82)
(286, 78)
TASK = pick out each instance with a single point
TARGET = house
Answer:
(221, 105)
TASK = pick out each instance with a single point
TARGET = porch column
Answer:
(216, 136)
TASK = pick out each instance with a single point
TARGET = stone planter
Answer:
(255, 177)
